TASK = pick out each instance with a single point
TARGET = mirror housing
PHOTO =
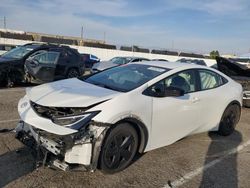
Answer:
(159, 90)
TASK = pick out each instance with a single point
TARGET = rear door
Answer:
(212, 98)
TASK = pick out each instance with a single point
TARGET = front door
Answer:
(175, 117)
(43, 66)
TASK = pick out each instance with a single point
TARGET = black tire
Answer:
(230, 118)
(72, 73)
(118, 149)
(9, 82)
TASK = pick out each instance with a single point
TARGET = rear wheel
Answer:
(72, 73)
(229, 120)
(119, 148)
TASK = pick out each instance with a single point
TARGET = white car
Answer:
(103, 120)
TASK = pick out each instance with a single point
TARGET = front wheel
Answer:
(229, 120)
(9, 82)
(119, 148)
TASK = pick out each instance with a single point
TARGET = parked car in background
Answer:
(116, 61)
(103, 120)
(6, 47)
(89, 60)
(12, 62)
(54, 63)
(192, 61)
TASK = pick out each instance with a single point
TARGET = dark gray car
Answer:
(116, 61)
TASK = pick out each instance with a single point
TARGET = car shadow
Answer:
(224, 173)
(14, 165)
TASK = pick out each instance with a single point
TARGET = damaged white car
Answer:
(104, 119)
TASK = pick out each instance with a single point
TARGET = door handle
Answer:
(195, 99)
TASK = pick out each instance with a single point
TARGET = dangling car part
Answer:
(233, 67)
(103, 120)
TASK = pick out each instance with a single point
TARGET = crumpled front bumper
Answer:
(67, 151)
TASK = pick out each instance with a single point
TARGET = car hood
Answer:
(104, 65)
(69, 93)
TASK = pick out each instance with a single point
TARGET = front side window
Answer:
(46, 57)
(210, 79)
(184, 80)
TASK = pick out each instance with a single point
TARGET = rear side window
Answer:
(210, 79)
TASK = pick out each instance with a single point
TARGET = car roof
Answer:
(169, 65)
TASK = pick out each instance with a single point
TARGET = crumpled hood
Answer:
(69, 93)
(103, 65)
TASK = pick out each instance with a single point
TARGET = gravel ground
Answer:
(186, 163)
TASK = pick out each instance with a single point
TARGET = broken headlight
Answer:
(75, 121)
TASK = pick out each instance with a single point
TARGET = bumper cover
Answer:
(64, 152)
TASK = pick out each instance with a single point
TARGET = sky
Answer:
(188, 25)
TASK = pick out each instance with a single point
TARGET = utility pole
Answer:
(4, 22)
(82, 32)
(104, 37)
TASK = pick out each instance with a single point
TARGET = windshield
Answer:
(121, 60)
(125, 78)
(18, 52)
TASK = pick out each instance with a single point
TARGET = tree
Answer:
(214, 54)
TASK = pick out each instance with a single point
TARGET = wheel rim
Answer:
(119, 150)
(72, 73)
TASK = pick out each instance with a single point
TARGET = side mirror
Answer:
(158, 90)
(174, 92)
